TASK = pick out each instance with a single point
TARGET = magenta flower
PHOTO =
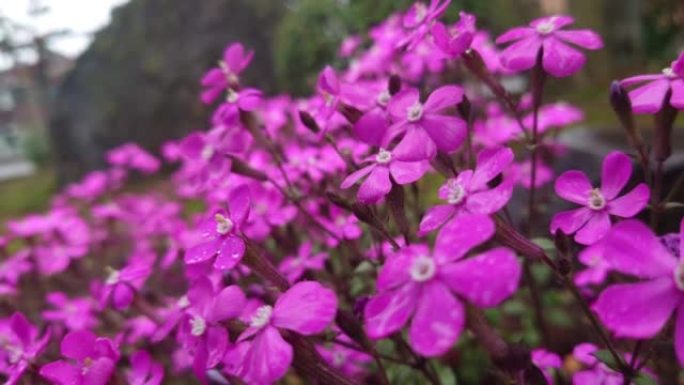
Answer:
(201, 330)
(121, 286)
(75, 314)
(294, 267)
(20, 345)
(592, 221)
(216, 80)
(548, 362)
(383, 166)
(521, 173)
(144, 371)
(597, 268)
(306, 308)
(650, 97)
(92, 360)
(641, 309)
(349, 361)
(431, 286)
(469, 192)
(559, 59)
(455, 40)
(427, 128)
(221, 233)
(131, 155)
(228, 112)
(420, 18)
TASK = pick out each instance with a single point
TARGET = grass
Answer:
(28, 194)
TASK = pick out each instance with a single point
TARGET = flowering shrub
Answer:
(373, 233)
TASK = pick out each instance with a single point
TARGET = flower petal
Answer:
(415, 145)
(99, 372)
(228, 303)
(490, 201)
(490, 163)
(202, 252)
(631, 203)
(376, 186)
(307, 308)
(516, 33)
(638, 310)
(596, 228)
(615, 173)
(573, 186)
(447, 132)
(677, 97)
(268, 358)
(462, 234)
(443, 97)
(679, 334)
(354, 177)
(239, 202)
(372, 127)
(632, 248)
(570, 221)
(435, 217)
(61, 373)
(230, 254)
(387, 312)
(486, 279)
(399, 104)
(648, 99)
(78, 345)
(561, 60)
(522, 55)
(407, 172)
(584, 38)
(438, 321)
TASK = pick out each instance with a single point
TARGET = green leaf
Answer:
(644, 379)
(606, 357)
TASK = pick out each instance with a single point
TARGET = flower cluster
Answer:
(372, 231)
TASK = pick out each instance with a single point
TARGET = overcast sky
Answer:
(80, 17)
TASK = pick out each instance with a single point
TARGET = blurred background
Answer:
(78, 77)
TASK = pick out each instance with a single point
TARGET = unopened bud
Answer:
(352, 114)
(662, 140)
(241, 168)
(394, 85)
(309, 122)
(619, 100)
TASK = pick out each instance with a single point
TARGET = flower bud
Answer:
(394, 85)
(309, 122)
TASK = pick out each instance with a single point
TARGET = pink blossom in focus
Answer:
(649, 97)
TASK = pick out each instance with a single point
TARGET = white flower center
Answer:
(669, 72)
(423, 269)
(198, 326)
(679, 276)
(596, 200)
(545, 28)
(113, 276)
(456, 193)
(232, 96)
(415, 112)
(421, 12)
(223, 224)
(383, 156)
(383, 98)
(207, 152)
(261, 317)
(183, 302)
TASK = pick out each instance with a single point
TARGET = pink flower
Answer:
(469, 192)
(121, 286)
(427, 128)
(235, 60)
(429, 286)
(75, 314)
(144, 371)
(306, 308)
(420, 18)
(20, 345)
(201, 331)
(221, 233)
(455, 40)
(383, 166)
(228, 112)
(521, 173)
(559, 59)
(650, 97)
(92, 360)
(131, 155)
(350, 362)
(641, 309)
(592, 221)
(294, 267)
(547, 361)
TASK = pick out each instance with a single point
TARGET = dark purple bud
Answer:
(309, 122)
(394, 85)
(352, 114)
(241, 168)
(662, 138)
